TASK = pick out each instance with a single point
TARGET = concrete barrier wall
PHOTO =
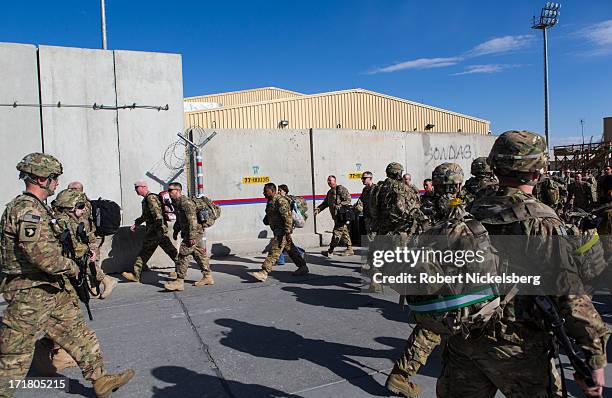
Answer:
(232, 158)
(19, 127)
(85, 140)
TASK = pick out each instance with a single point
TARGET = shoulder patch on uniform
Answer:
(31, 218)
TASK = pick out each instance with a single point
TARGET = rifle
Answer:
(82, 235)
(554, 322)
(80, 282)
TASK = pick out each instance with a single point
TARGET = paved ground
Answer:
(314, 336)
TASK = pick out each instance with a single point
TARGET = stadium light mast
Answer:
(548, 18)
(103, 23)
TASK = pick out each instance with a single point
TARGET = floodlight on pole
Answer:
(549, 16)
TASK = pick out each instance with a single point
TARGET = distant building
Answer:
(359, 109)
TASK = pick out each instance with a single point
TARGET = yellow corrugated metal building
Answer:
(349, 109)
(245, 96)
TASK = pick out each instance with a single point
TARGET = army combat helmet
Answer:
(394, 170)
(518, 151)
(39, 165)
(447, 177)
(480, 167)
(69, 199)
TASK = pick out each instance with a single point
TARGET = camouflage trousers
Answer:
(340, 235)
(154, 237)
(38, 310)
(477, 368)
(198, 251)
(419, 347)
(277, 244)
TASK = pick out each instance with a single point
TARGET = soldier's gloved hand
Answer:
(600, 380)
(175, 234)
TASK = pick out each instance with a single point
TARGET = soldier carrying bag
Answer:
(107, 216)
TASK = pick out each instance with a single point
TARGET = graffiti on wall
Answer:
(450, 153)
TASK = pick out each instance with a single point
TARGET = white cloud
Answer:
(599, 35)
(486, 68)
(421, 63)
(500, 45)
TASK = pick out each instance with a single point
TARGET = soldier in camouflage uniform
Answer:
(579, 194)
(482, 182)
(108, 282)
(192, 243)
(35, 285)
(513, 354)
(394, 204)
(363, 204)
(337, 197)
(278, 213)
(156, 233)
(407, 178)
(447, 179)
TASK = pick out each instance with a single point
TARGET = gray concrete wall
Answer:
(147, 79)
(283, 156)
(85, 140)
(19, 127)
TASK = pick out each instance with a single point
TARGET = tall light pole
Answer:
(103, 23)
(582, 130)
(548, 18)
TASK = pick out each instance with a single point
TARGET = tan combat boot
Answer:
(400, 385)
(348, 252)
(172, 275)
(177, 285)
(130, 276)
(303, 270)
(259, 275)
(109, 284)
(62, 360)
(206, 280)
(107, 384)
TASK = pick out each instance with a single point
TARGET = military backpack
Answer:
(207, 211)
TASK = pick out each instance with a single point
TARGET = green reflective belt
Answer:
(587, 246)
(455, 301)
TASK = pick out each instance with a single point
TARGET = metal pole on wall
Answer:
(199, 173)
(103, 20)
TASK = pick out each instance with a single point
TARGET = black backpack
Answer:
(106, 215)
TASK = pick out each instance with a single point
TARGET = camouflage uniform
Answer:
(335, 199)
(190, 230)
(580, 195)
(156, 233)
(482, 182)
(422, 342)
(513, 354)
(278, 212)
(547, 191)
(363, 206)
(395, 204)
(35, 286)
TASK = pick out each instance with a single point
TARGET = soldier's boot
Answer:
(206, 280)
(62, 360)
(328, 253)
(109, 284)
(303, 270)
(399, 384)
(130, 276)
(172, 275)
(348, 252)
(107, 384)
(177, 285)
(261, 276)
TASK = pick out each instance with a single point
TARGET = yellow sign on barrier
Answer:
(355, 176)
(256, 180)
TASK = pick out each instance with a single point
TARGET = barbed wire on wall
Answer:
(94, 106)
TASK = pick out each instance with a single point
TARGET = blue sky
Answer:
(473, 57)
